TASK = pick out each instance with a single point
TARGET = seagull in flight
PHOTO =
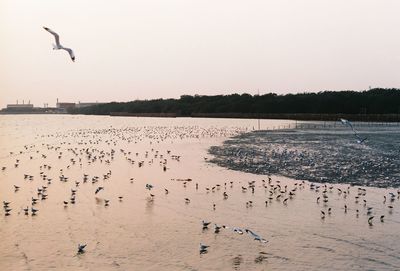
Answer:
(360, 139)
(347, 123)
(256, 236)
(58, 45)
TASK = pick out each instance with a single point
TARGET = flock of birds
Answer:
(283, 194)
(95, 146)
(92, 151)
(322, 155)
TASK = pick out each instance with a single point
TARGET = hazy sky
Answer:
(127, 50)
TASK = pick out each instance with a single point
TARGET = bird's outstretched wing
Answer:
(71, 53)
(348, 123)
(359, 138)
(56, 36)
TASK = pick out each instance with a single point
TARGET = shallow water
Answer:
(140, 233)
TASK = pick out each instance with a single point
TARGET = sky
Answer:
(127, 50)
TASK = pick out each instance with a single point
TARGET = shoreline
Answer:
(285, 116)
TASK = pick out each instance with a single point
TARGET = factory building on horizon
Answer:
(61, 108)
(20, 107)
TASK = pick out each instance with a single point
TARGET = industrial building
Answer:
(19, 107)
(61, 108)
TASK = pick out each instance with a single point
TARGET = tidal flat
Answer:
(332, 155)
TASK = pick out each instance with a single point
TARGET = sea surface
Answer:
(149, 228)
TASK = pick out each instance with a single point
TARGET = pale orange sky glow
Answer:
(128, 50)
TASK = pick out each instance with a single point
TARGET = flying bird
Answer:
(347, 123)
(360, 139)
(256, 236)
(58, 45)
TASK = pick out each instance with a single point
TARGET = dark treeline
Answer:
(374, 101)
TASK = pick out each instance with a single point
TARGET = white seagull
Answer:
(256, 236)
(58, 45)
(348, 123)
(360, 139)
(238, 230)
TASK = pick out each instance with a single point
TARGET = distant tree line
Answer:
(374, 101)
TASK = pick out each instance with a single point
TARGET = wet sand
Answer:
(163, 233)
